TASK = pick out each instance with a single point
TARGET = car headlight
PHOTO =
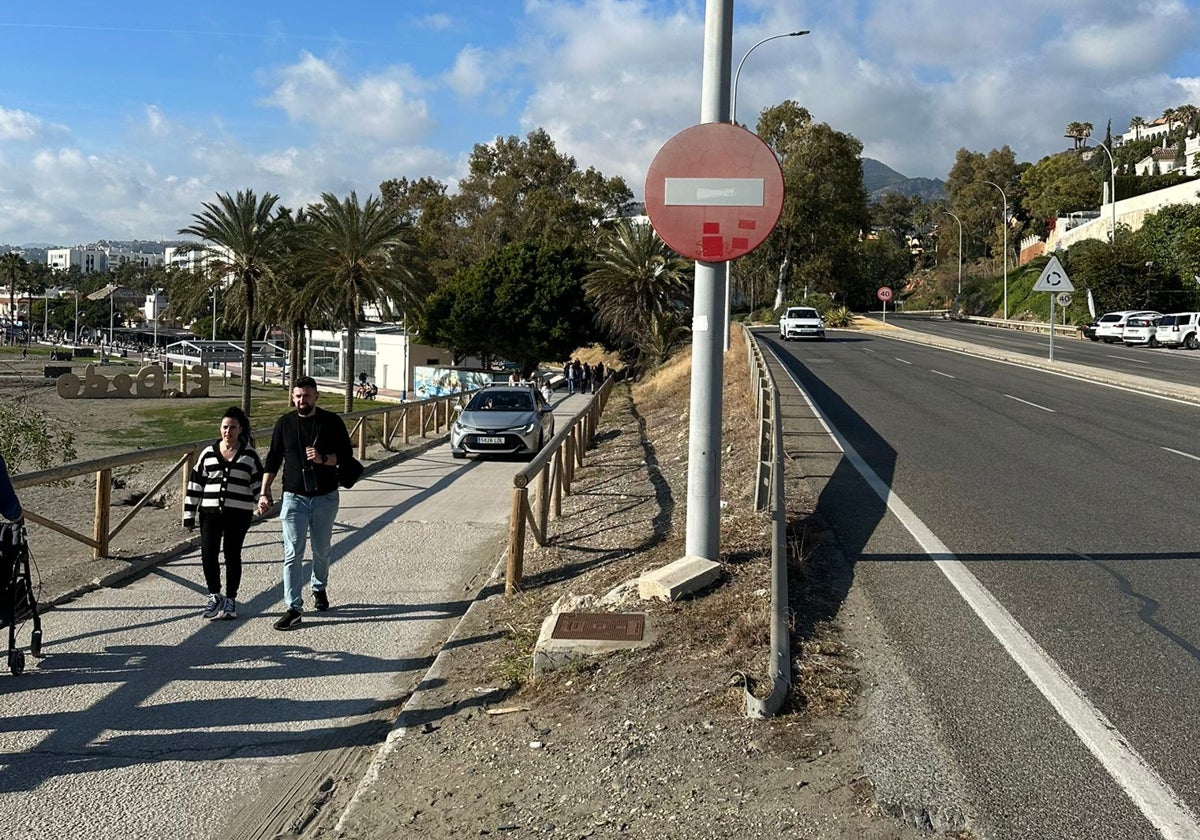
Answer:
(529, 427)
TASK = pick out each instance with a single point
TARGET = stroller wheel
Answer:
(16, 662)
(35, 643)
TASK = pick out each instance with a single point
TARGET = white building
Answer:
(385, 354)
(87, 260)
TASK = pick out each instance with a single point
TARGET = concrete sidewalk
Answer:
(145, 720)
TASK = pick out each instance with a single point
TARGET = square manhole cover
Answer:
(614, 627)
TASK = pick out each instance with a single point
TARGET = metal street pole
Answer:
(704, 432)
(952, 216)
(1004, 196)
(733, 119)
(76, 341)
(1113, 186)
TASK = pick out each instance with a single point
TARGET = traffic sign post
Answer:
(1054, 279)
(884, 294)
(713, 193)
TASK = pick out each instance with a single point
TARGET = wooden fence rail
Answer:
(550, 473)
(380, 423)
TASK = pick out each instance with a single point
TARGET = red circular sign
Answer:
(884, 293)
(714, 192)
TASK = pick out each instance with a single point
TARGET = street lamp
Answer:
(733, 119)
(952, 216)
(1005, 225)
(738, 72)
(1113, 191)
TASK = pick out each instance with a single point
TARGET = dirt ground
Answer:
(652, 743)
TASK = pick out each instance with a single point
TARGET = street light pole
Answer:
(1113, 182)
(1004, 196)
(952, 216)
(733, 119)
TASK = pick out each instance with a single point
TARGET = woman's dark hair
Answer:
(235, 413)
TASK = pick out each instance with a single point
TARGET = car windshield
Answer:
(501, 401)
(803, 313)
(1140, 322)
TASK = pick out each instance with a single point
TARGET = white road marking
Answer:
(1131, 359)
(939, 373)
(1184, 454)
(1027, 402)
(902, 361)
(1157, 801)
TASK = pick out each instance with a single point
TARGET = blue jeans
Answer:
(299, 516)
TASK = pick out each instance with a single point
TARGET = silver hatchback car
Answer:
(502, 420)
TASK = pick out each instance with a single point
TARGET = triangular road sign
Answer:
(1053, 278)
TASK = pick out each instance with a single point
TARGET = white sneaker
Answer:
(213, 605)
(228, 609)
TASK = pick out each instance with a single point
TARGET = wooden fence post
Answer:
(100, 522)
(516, 542)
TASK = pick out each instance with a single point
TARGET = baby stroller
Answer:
(17, 601)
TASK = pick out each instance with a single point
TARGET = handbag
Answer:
(350, 470)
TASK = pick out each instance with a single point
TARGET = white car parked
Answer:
(1142, 329)
(1179, 329)
(1110, 327)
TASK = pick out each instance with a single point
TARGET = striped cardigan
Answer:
(216, 484)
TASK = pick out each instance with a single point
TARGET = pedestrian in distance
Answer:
(585, 378)
(597, 377)
(10, 505)
(571, 372)
(308, 443)
(221, 499)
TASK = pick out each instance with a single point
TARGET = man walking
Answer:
(308, 443)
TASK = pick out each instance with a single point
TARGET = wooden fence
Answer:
(550, 473)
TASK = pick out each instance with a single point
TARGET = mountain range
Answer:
(879, 178)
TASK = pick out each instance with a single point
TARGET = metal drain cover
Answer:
(614, 627)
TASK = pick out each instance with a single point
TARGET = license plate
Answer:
(489, 440)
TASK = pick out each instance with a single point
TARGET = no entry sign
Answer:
(714, 192)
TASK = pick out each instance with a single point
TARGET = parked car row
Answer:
(1146, 327)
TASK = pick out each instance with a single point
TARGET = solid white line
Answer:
(939, 373)
(1131, 359)
(1184, 454)
(902, 361)
(1169, 814)
(1027, 402)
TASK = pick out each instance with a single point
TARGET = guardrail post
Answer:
(386, 438)
(558, 482)
(404, 421)
(543, 500)
(516, 542)
(422, 407)
(100, 521)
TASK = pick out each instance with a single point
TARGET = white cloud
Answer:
(378, 107)
(469, 76)
(18, 125)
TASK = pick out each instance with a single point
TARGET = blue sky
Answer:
(118, 121)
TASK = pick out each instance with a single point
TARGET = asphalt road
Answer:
(1170, 365)
(1035, 568)
(145, 720)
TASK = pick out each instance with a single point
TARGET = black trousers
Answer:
(228, 527)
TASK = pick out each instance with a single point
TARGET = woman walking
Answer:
(221, 496)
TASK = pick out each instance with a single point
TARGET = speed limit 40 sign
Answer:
(884, 293)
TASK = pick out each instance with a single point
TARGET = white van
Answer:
(1110, 327)
(1179, 329)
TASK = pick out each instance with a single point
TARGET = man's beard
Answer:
(306, 410)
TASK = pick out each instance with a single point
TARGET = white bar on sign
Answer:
(714, 192)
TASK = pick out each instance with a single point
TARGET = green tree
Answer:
(243, 243)
(524, 302)
(638, 287)
(356, 254)
(895, 215)
(979, 204)
(1167, 239)
(1057, 185)
(12, 269)
(825, 205)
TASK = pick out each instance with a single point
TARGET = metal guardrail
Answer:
(431, 415)
(1023, 326)
(769, 491)
(550, 473)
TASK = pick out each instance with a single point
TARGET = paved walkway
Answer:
(145, 720)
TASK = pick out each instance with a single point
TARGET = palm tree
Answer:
(356, 254)
(639, 287)
(1136, 123)
(244, 243)
(12, 268)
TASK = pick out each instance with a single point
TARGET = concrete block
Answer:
(550, 653)
(674, 580)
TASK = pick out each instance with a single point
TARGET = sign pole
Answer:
(704, 423)
(1052, 328)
